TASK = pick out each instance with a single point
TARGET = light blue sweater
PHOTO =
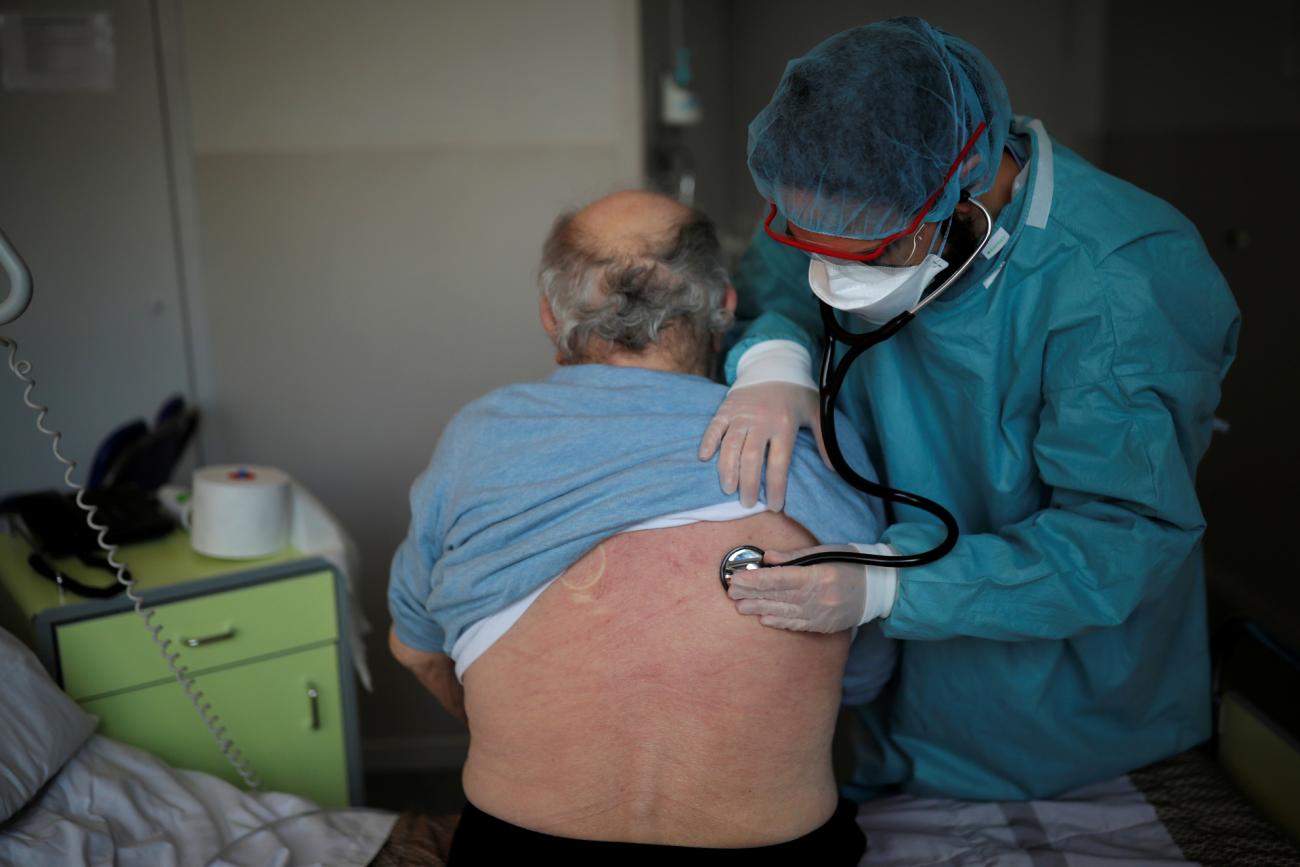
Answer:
(530, 477)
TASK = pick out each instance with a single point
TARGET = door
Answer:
(86, 198)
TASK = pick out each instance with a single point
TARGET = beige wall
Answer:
(374, 183)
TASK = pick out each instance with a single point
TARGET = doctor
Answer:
(1056, 399)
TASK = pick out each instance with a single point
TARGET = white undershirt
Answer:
(482, 634)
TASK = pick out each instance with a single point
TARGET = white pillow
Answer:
(40, 727)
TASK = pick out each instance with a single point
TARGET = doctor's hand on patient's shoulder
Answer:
(756, 423)
(826, 597)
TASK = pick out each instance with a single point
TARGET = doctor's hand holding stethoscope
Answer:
(884, 284)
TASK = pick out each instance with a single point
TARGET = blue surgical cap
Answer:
(862, 130)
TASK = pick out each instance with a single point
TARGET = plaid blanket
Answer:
(1180, 811)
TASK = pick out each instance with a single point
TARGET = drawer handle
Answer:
(209, 639)
(313, 699)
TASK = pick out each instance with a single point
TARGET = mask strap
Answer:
(941, 239)
(915, 239)
(947, 226)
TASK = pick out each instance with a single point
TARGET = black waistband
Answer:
(482, 839)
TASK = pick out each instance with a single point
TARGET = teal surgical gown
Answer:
(1057, 401)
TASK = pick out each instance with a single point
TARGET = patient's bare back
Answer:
(631, 702)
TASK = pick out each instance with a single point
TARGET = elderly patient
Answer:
(562, 562)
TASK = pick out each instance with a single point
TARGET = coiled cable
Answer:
(22, 369)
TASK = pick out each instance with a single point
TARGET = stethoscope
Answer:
(831, 379)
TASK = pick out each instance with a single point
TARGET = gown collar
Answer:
(1029, 208)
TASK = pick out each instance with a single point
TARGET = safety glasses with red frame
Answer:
(873, 255)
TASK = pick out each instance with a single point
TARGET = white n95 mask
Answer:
(876, 294)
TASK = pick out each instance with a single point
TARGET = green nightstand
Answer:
(264, 639)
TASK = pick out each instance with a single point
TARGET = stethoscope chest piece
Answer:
(743, 557)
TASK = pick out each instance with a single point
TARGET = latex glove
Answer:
(827, 597)
(754, 423)
(773, 396)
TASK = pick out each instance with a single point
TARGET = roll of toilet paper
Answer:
(240, 511)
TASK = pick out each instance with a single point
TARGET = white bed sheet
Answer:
(115, 804)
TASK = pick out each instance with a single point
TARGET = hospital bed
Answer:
(69, 796)
(1182, 811)
(1233, 801)
(110, 803)
(115, 804)
(1178, 812)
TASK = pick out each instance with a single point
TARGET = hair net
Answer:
(862, 130)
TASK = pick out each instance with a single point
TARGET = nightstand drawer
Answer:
(112, 653)
(284, 714)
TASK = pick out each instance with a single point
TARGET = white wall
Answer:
(375, 180)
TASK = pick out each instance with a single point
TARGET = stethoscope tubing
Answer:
(831, 380)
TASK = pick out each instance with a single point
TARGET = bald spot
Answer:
(630, 224)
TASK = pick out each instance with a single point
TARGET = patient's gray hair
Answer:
(631, 300)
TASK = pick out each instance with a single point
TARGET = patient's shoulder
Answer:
(596, 390)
